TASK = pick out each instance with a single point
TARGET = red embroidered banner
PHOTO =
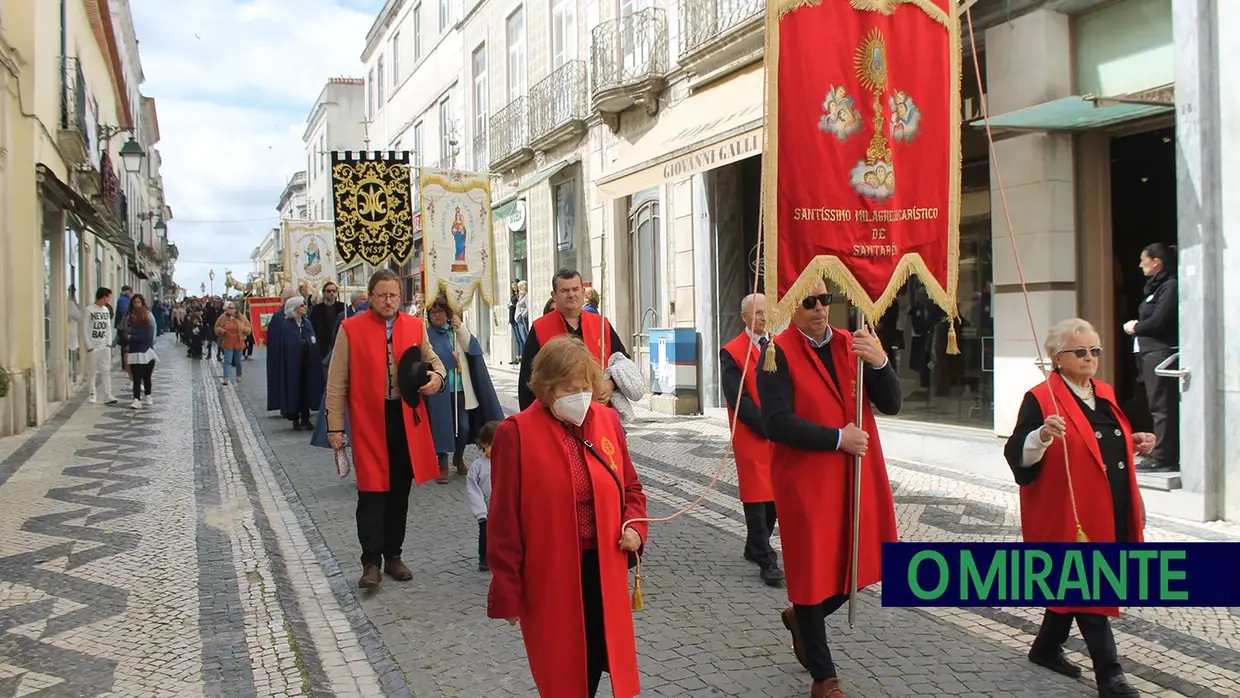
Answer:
(862, 168)
(261, 310)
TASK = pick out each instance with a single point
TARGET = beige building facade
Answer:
(69, 103)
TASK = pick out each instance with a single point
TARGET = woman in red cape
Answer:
(1085, 416)
(562, 485)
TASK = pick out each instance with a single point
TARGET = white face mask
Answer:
(573, 408)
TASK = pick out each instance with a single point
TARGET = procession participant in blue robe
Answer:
(273, 354)
(300, 382)
(319, 438)
(468, 384)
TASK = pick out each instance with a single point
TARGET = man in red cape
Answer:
(567, 317)
(393, 446)
(809, 409)
(741, 357)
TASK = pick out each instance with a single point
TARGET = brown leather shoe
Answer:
(397, 569)
(370, 577)
(827, 688)
(461, 468)
(443, 469)
(798, 647)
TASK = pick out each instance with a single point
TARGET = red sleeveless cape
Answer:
(813, 489)
(753, 452)
(1046, 508)
(535, 553)
(368, 379)
(595, 332)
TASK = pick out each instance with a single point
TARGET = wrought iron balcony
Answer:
(630, 63)
(558, 106)
(718, 35)
(481, 163)
(510, 135)
(445, 163)
(74, 137)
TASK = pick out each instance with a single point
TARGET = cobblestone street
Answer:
(203, 547)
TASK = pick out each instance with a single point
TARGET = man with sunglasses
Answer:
(739, 359)
(809, 410)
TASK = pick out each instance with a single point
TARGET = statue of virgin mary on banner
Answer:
(456, 234)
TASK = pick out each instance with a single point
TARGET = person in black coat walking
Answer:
(1156, 336)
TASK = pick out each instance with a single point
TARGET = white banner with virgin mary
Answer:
(309, 254)
(456, 234)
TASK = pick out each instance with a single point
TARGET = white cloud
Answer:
(233, 82)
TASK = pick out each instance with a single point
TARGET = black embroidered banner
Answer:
(374, 220)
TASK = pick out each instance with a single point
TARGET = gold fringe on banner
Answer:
(779, 310)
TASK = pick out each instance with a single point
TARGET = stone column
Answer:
(1029, 62)
(1205, 133)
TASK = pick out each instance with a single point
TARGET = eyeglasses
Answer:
(385, 297)
(813, 301)
(1082, 352)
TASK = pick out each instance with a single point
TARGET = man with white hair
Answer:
(739, 359)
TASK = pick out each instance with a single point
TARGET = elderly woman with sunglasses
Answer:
(1072, 409)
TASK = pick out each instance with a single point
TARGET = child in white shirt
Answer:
(478, 488)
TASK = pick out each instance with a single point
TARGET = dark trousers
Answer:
(759, 525)
(141, 374)
(1164, 398)
(1095, 629)
(462, 430)
(381, 516)
(482, 542)
(592, 608)
(812, 621)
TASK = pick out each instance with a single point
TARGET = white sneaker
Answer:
(92, 400)
(148, 401)
(136, 404)
(111, 401)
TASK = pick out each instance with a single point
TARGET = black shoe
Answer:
(482, 567)
(749, 556)
(1056, 662)
(772, 575)
(1116, 687)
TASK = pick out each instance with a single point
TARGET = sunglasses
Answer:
(813, 301)
(1083, 352)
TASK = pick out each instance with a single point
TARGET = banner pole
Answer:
(856, 502)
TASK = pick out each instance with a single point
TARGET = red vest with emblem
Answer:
(551, 606)
(595, 332)
(753, 452)
(368, 380)
(1046, 508)
(813, 489)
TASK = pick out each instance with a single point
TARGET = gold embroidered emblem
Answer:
(609, 450)
(373, 218)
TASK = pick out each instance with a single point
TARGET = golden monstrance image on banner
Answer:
(456, 233)
(374, 219)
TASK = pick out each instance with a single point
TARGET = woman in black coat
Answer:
(1156, 336)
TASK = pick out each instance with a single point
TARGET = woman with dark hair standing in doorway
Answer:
(1156, 336)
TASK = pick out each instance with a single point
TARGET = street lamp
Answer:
(212, 277)
(161, 228)
(132, 153)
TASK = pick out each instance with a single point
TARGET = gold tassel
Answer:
(952, 347)
(639, 603)
(1080, 534)
(768, 364)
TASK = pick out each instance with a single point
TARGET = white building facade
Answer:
(337, 122)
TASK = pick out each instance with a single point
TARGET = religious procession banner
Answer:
(374, 219)
(456, 236)
(261, 310)
(862, 156)
(309, 254)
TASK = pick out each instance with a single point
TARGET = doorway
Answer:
(1143, 211)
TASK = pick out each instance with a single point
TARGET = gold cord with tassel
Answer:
(1080, 534)
(952, 347)
(768, 364)
(639, 603)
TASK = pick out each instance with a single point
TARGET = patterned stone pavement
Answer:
(204, 548)
(159, 553)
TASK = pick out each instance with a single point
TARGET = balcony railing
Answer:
(510, 133)
(75, 136)
(445, 163)
(557, 101)
(481, 163)
(702, 21)
(629, 50)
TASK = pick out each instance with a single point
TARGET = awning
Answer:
(542, 175)
(1076, 113)
(90, 215)
(717, 126)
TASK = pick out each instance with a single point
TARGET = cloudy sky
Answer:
(233, 82)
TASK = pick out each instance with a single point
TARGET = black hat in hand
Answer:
(411, 374)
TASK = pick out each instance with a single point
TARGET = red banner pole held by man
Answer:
(858, 92)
